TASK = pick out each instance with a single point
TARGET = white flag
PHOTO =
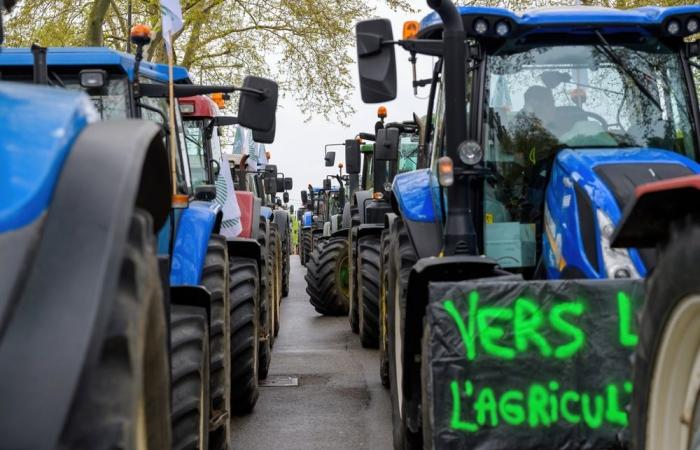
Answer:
(171, 12)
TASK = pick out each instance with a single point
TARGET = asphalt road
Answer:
(339, 402)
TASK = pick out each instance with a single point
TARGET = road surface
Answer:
(339, 402)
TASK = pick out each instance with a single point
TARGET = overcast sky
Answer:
(298, 147)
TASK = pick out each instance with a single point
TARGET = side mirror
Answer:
(225, 121)
(285, 198)
(265, 137)
(278, 202)
(257, 110)
(352, 157)
(291, 209)
(330, 159)
(280, 184)
(215, 167)
(376, 60)
(288, 184)
(327, 184)
(271, 170)
(304, 198)
(387, 146)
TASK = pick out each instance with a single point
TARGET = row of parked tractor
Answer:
(525, 254)
(142, 268)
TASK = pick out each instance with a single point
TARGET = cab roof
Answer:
(568, 18)
(98, 57)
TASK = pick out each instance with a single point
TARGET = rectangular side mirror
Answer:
(285, 197)
(330, 159)
(327, 184)
(280, 184)
(304, 198)
(288, 184)
(352, 156)
(387, 146)
(265, 137)
(376, 60)
(256, 111)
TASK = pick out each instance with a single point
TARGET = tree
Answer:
(302, 44)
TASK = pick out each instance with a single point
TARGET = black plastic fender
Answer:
(244, 248)
(343, 232)
(61, 315)
(347, 216)
(197, 296)
(370, 228)
(425, 271)
(360, 197)
(281, 218)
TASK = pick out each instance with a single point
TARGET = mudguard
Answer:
(194, 229)
(341, 233)
(246, 204)
(360, 198)
(416, 197)
(307, 219)
(370, 229)
(197, 296)
(648, 219)
(48, 342)
(244, 248)
(347, 216)
(281, 218)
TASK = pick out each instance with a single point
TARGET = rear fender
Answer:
(194, 230)
(360, 199)
(246, 204)
(281, 218)
(374, 229)
(341, 233)
(112, 167)
(648, 219)
(197, 296)
(425, 272)
(244, 248)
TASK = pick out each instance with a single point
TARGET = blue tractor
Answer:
(84, 335)
(198, 277)
(510, 317)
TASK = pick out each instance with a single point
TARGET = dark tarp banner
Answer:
(539, 365)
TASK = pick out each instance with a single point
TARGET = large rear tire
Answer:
(276, 247)
(245, 334)
(402, 257)
(215, 277)
(307, 245)
(383, 310)
(130, 383)
(189, 348)
(353, 306)
(665, 408)
(368, 267)
(286, 251)
(326, 277)
(267, 294)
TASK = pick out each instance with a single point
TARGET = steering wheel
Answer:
(597, 117)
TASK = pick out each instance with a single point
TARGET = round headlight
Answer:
(387, 186)
(502, 28)
(693, 25)
(673, 27)
(470, 152)
(481, 26)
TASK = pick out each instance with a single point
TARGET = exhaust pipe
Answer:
(41, 70)
(447, 11)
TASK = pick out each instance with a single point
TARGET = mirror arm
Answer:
(368, 136)
(430, 47)
(157, 111)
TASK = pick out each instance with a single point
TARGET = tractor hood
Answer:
(35, 142)
(587, 194)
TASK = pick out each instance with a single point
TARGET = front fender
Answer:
(194, 229)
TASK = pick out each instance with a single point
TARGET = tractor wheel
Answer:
(276, 248)
(267, 294)
(189, 347)
(215, 277)
(368, 262)
(327, 277)
(665, 408)
(130, 383)
(402, 257)
(383, 321)
(353, 306)
(307, 246)
(426, 381)
(245, 334)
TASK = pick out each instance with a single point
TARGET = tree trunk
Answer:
(93, 35)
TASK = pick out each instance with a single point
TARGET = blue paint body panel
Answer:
(34, 143)
(576, 167)
(415, 194)
(307, 219)
(192, 234)
(86, 57)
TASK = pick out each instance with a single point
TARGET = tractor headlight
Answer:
(693, 25)
(673, 27)
(502, 28)
(481, 26)
(470, 152)
(618, 263)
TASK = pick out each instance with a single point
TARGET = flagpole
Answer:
(171, 125)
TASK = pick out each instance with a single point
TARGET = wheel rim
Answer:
(343, 276)
(398, 345)
(673, 395)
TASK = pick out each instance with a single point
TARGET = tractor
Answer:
(194, 257)
(258, 184)
(510, 311)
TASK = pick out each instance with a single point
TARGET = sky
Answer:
(299, 145)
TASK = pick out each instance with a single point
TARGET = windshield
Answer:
(110, 101)
(408, 152)
(544, 99)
